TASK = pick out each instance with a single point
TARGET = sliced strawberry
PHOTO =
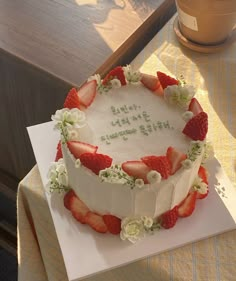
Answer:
(175, 158)
(113, 223)
(152, 83)
(96, 222)
(202, 173)
(166, 80)
(187, 207)
(78, 209)
(136, 169)
(195, 106)
(95, 161)
(77, 148)
(169, 218)
(116, 73)
(72, 100)
(196, 128)
(68, 197)
(87, 93)
(158, 163)
(59, 152)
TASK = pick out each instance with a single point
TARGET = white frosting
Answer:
(119, 199)
(100, 117)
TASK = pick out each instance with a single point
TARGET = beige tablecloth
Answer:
(212, 259)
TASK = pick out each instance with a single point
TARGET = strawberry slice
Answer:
(87, 93)
(136, 169)
(59, 152)
(169, 218)
(195, 106)
(77, 148)
(196, 128)
(72, 100)
(158, 163)
(78, 209)
(152, 83)
(95, 161)
(175, 158)
(113, 223)
(202, 173)
(166, 80)
(116, 73)
(96, 222)
(187, 207)
(67, 198)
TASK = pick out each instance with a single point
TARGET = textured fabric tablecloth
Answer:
(214, 76)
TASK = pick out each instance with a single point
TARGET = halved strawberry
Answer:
(166, 80)
(67, 198)
(202, 173)
(175, 158)
(59, 152)
(95, 161)
(195, 106)
(152, 83)
(77, 148)
(196, 128)
(96, 222)
(169, 218)
(72, 100)
(113, 223)
(78, 209)
(116, 73)
(187, 207)
(158, 163)
(87, 93)
(136, 169)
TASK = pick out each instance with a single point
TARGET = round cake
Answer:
(132, 146)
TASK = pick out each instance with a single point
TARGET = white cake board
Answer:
(86, 252)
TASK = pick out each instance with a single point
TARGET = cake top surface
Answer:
(131, 122)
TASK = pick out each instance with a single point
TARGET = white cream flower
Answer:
(147, 221)
(200, 186)
(52, 174)
(95, 77)
(57, 175)
(172, 94)
(153, 177)
(187, 164)
(62, 179)
(139, 183)
(130, 75)
(115, 83)
(69, 117)
(132, 229)
(179, 95)
(60, 168)
(77, 163)
(187, 115)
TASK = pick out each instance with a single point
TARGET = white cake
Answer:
(134, 124)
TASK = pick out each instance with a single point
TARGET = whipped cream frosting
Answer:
(129, 123)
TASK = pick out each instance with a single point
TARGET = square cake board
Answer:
(86, 252)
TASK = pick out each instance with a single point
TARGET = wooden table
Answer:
(45, 48)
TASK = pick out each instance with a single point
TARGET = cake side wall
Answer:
(122, 201)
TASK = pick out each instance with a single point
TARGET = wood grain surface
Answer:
(69, 38)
